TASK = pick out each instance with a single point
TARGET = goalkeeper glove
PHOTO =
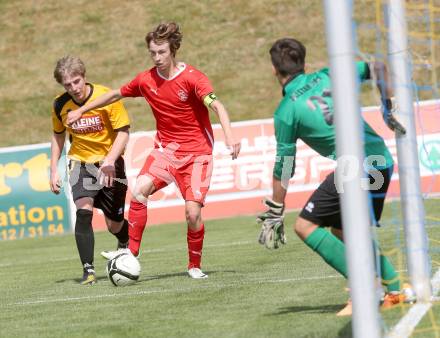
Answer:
(388, 108)
(272, 225)
(272, 234)
(275, 210)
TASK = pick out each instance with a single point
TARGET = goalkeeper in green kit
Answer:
(306, 112)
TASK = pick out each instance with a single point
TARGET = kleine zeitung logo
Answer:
(88, 124)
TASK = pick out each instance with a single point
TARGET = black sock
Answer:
(85, 240)
(122, 235)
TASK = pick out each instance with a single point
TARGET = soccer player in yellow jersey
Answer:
(96, 165)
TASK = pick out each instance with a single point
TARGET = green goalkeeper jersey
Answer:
(306, 113)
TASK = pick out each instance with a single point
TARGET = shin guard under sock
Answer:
(390, 278)
(195, 246)
(330, 248)
(85, 239)
(122, 235)
(137, 219)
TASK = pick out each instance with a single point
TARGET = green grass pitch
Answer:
(250, 292)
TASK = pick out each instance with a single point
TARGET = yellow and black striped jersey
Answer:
(92, 136)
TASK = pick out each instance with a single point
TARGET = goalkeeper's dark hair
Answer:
(166, 32)
(288, 56)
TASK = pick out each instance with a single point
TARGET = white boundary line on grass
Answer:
(407, 324)
(178, 290)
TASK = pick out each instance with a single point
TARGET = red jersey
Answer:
(177, 105)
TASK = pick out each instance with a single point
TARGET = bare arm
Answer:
(223, 116)
(382, 78)
(383, 82)
(119, 144)
(279, 192)
(103, 100)
(56, 148)
(107, 171)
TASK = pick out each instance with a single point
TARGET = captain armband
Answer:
(209, 99)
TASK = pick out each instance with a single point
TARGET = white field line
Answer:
(384, 228)
(147, 251)
(144, 292)
(407, 324)
(172, 290)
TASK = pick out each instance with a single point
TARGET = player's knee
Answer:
(83, 222)
(144, 187)
(139, 196)
(114, 226)
(193, 217)
(84, 203)
(303, 227)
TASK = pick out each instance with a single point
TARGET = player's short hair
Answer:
(69, 65)
(166, 32)
(288, 56)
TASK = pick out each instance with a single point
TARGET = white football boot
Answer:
(112, 254)
(196, 273)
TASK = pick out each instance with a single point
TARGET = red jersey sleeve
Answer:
(132, 88)
(202, 85)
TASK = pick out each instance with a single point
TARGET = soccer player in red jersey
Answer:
(179, 96)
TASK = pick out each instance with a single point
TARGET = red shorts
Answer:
(191, 173)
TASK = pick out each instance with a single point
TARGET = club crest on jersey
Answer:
(88, 124)
(183, 96)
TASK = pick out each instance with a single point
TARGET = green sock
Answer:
(330, 248)
(390, 278)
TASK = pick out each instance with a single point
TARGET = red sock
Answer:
(195, 245)
(137, 219)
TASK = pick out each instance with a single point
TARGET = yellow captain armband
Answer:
(208, 99)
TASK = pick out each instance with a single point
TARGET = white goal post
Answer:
(407, 154)
(354, 200)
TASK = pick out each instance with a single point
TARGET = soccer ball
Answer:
(123, 270)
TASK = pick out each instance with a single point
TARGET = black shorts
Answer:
(324, 209)
(84, 184)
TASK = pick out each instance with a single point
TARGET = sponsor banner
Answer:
(29, 209)
(237, 187)
(27, 206)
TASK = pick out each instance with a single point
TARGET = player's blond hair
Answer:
(166, 32)
(69, 65)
